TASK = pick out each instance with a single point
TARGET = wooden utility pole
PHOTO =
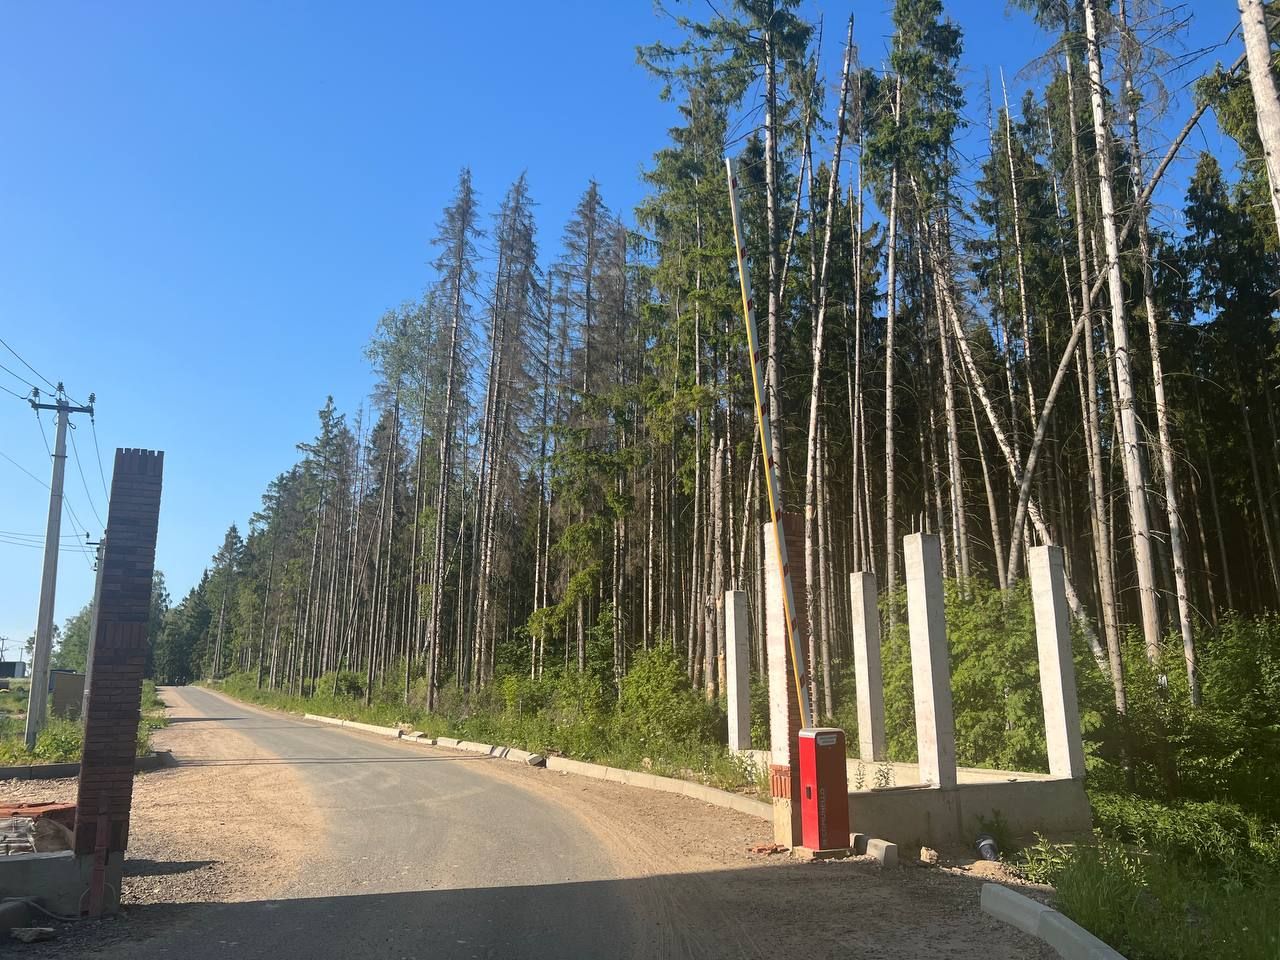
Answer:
(38, 696)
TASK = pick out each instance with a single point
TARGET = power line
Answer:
(18, 535)
(12, 393)
(43, 436)
(24, 469)
(6, 542)
(85, 483)
(93, 423)
(18, 376)
(52, 385)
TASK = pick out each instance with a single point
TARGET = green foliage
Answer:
(1156, 910)
(1042, 862)
(73, 642)
(14, 700)
(657, 722)
(760, 713)
(342, 684)
(1207, 837)
(995, 680)
(1227, 749)
(59, 742)
(657, 706)
(153, 715)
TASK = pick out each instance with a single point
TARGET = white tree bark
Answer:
(1266, 101)
(1177, 546)
(1135, 478)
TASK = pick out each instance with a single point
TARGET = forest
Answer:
(559, 464)
(559, 474)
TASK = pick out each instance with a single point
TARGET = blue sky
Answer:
(205, 207)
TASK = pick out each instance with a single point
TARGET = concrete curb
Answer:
(1070, 940)
(395, 733)
(630, 778)
(62, 771)
(418, 737)
(649, 781)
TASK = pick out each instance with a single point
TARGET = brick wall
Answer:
(119, 651)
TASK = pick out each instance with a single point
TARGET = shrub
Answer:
(658, 708)
(345, 684)
(1206, 838)
(60, 741)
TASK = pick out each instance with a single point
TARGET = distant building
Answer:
(13, 669)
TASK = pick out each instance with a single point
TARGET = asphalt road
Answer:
(404, 852)
(423, 855)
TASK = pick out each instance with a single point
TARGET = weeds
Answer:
(62, 740)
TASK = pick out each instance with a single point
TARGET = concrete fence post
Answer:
(930, 660)
(1057, 670)
(737, 635)
(866, 665)
(784, 708)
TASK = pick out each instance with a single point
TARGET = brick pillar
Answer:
(784, 708)
(119, 658)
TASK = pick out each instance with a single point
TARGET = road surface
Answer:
(386, 850)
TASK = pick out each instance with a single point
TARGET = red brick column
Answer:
(119, 654)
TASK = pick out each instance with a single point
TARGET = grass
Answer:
(1169, 881)
(576, 730)
(13, 701)
(61, 740)
(1151, 908)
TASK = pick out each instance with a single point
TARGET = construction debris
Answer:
(17, 835)
(31, 934)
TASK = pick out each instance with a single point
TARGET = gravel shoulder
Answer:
(207, 831)
(196, 834)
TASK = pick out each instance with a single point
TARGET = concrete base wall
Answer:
(910, 813)
(58, 881)
(916, 816)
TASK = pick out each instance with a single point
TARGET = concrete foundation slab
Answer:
(14, 913)
(58, 881)
(928, 816)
